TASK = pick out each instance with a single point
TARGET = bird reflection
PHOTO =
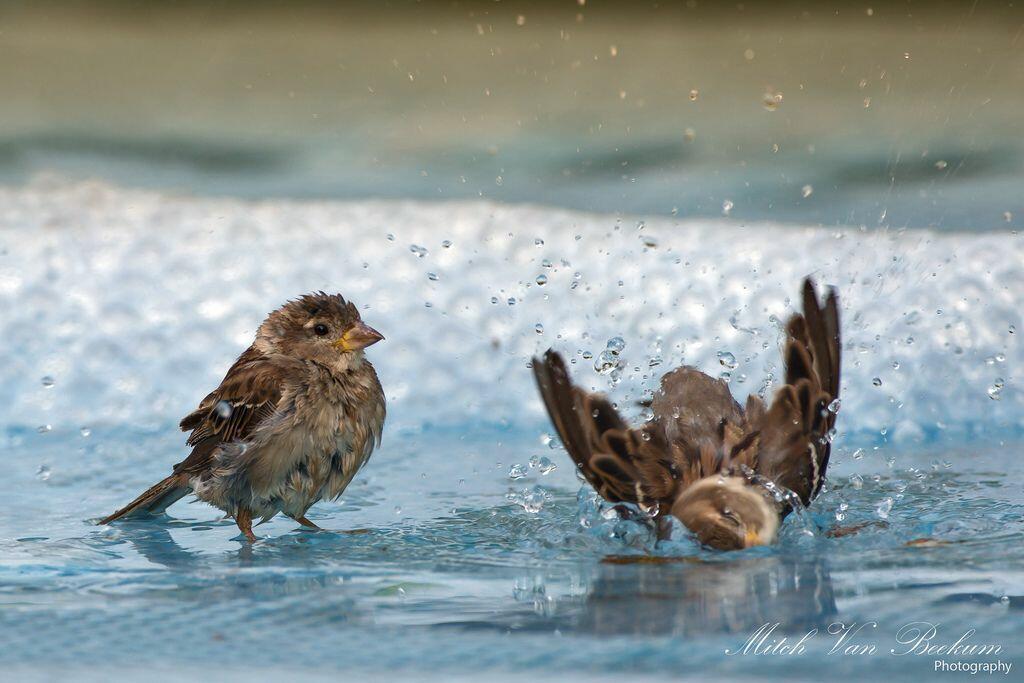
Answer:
(687, 596)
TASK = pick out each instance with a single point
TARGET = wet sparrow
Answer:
(723, 470)
(291, 423)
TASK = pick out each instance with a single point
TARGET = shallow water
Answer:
(122, 308)
(430, 568)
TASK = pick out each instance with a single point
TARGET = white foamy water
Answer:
(126, 306)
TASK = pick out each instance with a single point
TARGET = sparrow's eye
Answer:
(321, 329)
(731, 516)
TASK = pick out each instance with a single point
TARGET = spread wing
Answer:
(621, 463)
(248, 395)
(795, 441)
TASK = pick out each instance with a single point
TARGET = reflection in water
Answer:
(689, 597)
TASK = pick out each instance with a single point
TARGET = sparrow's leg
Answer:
(243, 518)
(305, 522)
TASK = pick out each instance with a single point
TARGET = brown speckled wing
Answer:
(795, 444)
(622, 464)
(248, 395)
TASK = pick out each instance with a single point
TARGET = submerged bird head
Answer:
(727, 513)
(318, 327)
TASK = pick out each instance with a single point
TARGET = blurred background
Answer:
(891, 114)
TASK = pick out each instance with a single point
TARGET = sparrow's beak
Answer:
(752, 538)
(359, 336)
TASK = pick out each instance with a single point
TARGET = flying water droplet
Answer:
(538, 328)
(727, 360)
(884, 508)
(418, 250)
(223, 409)
(48, 382)
(542, 280)
(806, 191)
(995, 392)
(517, 471)
(43, 473)
(727, 207)
(771, 100)
(606, 362)
(877, 381)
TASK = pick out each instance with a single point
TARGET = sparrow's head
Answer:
(319, 327)
(727, 513)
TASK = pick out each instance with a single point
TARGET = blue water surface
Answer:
(436, 564)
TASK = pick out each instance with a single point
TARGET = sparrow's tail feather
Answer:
(155, 500)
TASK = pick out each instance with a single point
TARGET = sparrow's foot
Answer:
(243, 518)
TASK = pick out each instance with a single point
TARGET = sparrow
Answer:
(730, 474)
(293, 420)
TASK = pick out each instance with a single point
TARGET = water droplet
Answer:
(877, 381)
(771, 100)
(446, 244)
(995, 392)
(727, 360)
(834, 406)
(689, 134)
(418, 250)
(694, 94)
(223, 409)
(1007, 216)
(613, 50)
(391, 237)
(433, 277)
(538, 242)
(607, 362)
(727, 207)
(806, 191)
(42, 429)
(48, 382)
(517, 471)
(538, 328)
(941, 164)
(520, 20)
(650, 241)
(85, 432)
(542, 280)
(884, 508)
(398, 509)
(43, 473)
